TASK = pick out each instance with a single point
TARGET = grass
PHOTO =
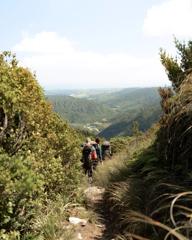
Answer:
(116, 176)
(143, 199)
(52, 222)
(117, 169)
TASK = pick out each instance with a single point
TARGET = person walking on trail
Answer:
(106, 150)
(88, 154)
(98, 156)
(98, 150)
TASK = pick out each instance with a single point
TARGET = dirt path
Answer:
(93, 229)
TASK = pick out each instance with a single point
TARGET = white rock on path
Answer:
(75, 221)
(79, 236)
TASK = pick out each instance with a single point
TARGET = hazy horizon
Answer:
(92, 88)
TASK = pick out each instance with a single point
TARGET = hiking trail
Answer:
(93, 230)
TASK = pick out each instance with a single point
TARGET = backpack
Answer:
(98, 152)
(89, 153)
(105, 146)
(93, 155)
(106, 150)
(86, 152)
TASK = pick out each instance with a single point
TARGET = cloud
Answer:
(44, 43)
(172, 17)
(60, 63)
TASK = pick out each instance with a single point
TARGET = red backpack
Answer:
(93, 155)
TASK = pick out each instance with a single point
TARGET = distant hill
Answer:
(65, 92)
(118, 108)
(81, 93)
(123, 125)
(79, 110)
(129, 98)
(132, 104)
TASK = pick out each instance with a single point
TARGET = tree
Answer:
(178, 67)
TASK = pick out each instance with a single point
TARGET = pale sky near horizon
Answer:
(94, 43)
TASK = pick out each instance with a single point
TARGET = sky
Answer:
(94, 43)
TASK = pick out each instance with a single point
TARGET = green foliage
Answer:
(119, 144)
(176, 125)
(14, 235)
(51, 223)
(136, 189)
(174, 135)
(20, 188)
(177, 68)
(39, 152)
(19, 96)
(127, 150)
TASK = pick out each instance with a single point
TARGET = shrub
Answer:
(21, 191)
(39, 151)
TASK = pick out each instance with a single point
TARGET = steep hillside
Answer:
(122, 126)
(79, 110)
(134, 104)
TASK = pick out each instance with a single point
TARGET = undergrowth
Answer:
(117, 169)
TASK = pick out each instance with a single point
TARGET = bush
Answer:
(21, 191)
(39, 152)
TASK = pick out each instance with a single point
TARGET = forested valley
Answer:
(108, 114)
(147, 183)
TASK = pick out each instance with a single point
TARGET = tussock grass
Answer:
(116, 176)
(52, 220)
(117, 168)
(148, 202)
(108, 169)
(148, 187)
(51, 223)
(180, 218)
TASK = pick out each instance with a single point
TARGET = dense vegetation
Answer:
(39, 154)
(148, 192)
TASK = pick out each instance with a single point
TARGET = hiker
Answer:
(88, 155)
(106, 150)
(97, 147)
(98, 150)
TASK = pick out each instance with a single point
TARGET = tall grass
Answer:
(51, 222)
(117, 168)
(142, 198)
